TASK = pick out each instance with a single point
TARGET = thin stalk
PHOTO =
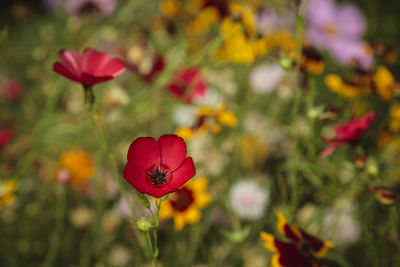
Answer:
(55, 240)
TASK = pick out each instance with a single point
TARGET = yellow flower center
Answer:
(331, 30)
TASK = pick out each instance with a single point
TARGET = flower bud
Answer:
(144, 224)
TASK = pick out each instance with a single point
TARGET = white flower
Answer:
(81, 217)
(340, 226)
(116, 96)
(184, 115)
(119, 256)
(266, 78)
(248, 199)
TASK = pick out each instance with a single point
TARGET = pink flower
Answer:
(348, 133)
(90, 68)
(339, 30)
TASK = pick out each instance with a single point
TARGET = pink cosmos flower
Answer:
(348, 133)
(158, 167)
(338, 29)
(89, 68)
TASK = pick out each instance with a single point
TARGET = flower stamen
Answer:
(158, 176)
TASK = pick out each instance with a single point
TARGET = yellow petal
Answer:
(199, 184)
(275, 261)
(282, 221)
(179, 221)
(185, 132)
(166, 210)
(192, 215)
(269, 241)
(327, 245)
(227, 118)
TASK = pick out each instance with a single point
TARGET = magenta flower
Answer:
(348, 133)
(89, 68)
(338, 29)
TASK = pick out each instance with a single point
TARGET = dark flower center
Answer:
(89, 9)
(158, 176)
(181, 199)
(305, 248)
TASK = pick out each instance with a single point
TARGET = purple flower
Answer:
(269, 21)
(90, 7)
(338, 29)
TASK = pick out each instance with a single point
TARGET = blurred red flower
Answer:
(89, 68)
(12, 89)
(6, 135)
(302, 249)
(188, 85)
(348, 133)
(158, 167)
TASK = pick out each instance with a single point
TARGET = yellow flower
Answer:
(7, 189)
(202, 21)
(79, 165)
(347, 90)
(170, 8)
(253, 151)
(297, 241)
(394, 124)
(284, 40)
(240, 41)
(312, 61)
(184, 205)
(384, 138)
(209, 119)
(384, 83)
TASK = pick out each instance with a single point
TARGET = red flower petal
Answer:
(93, 61)
(113, 68)
(89, 79)
(173, 151)
(61, 69)
(144, 152)
(182, 174)
(136, 176)
(354, 129)
(329, 149)
(71, 60)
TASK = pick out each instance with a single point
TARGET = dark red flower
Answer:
(158, 167)
(385, 194)
(6, 135)
(157, 67)
(90, 68)
(12, 89)
(302, 249)
(188, 85)
(348, 133)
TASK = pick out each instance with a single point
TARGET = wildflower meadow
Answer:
(196, 133)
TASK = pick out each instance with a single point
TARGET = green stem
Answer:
(296, 106)
(155, 231)
(54, 244)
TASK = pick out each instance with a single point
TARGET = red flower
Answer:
(302, 249)
(12, 89)
(188, 85)
(6, 135)
(158, 167)
(90, 68)
(348, 133)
